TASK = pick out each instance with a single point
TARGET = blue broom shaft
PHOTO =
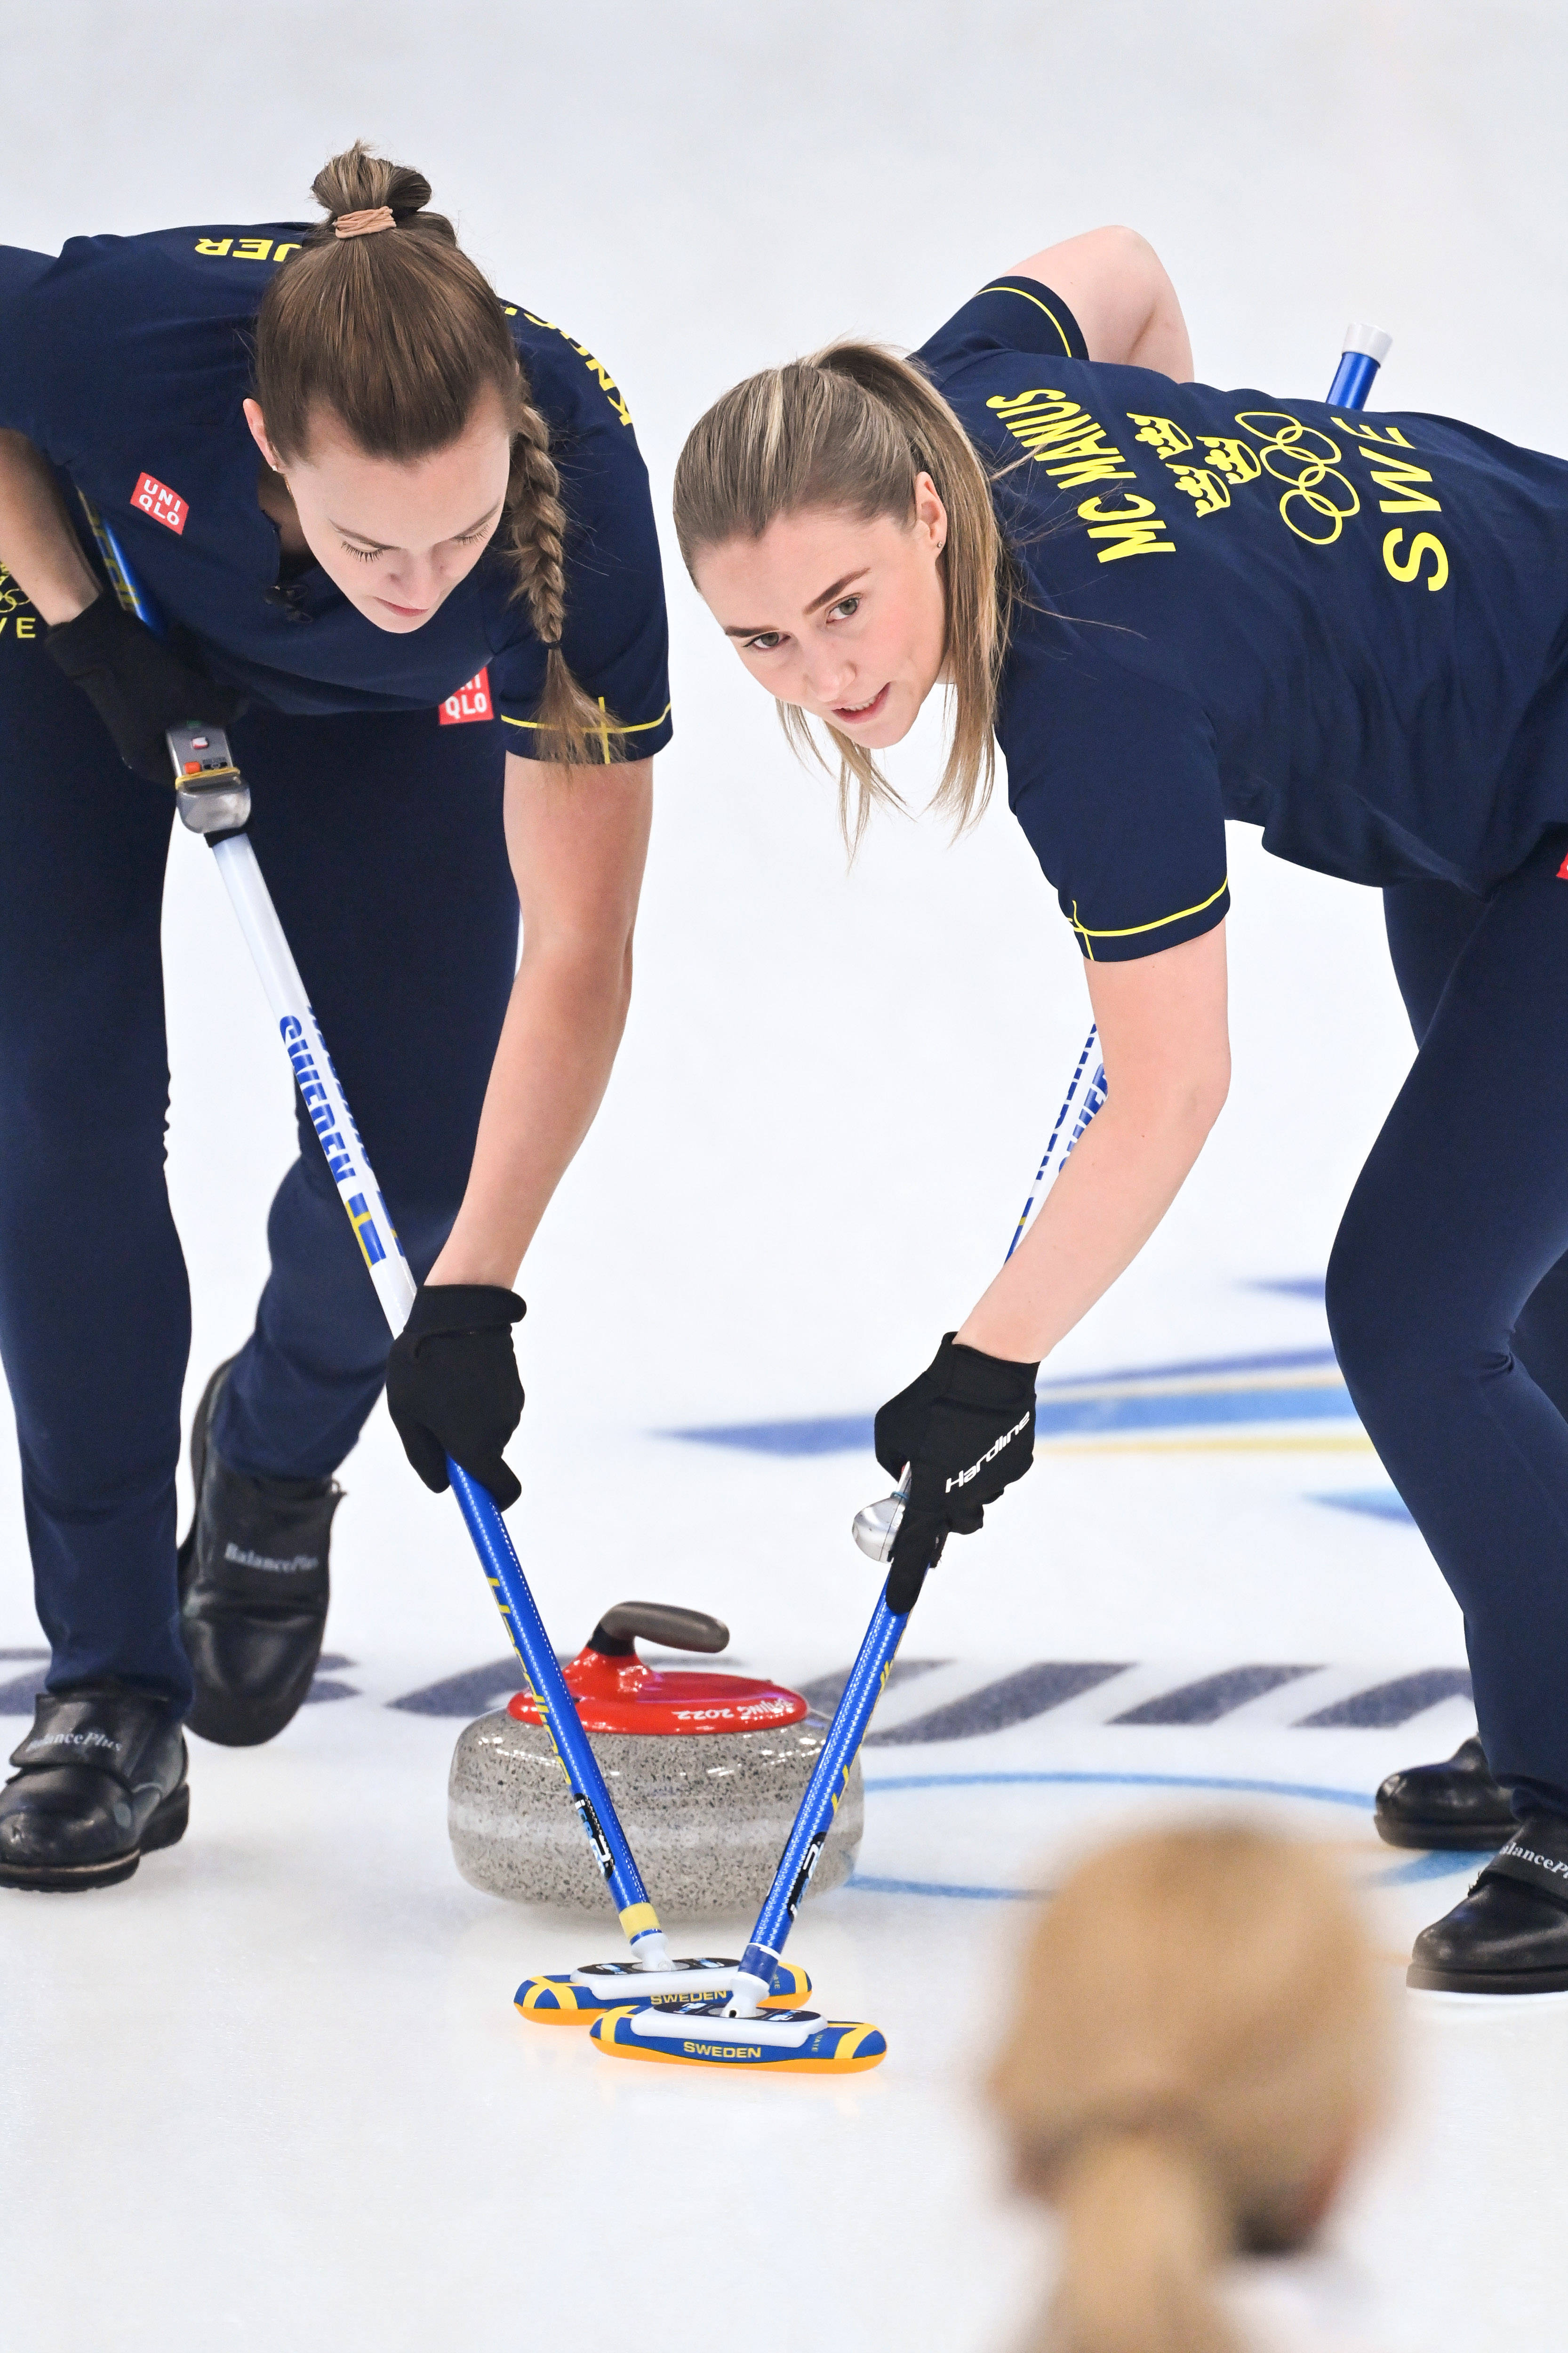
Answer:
(503, 1569)
(829, 1779)
(556, 1708)
(1365, 349)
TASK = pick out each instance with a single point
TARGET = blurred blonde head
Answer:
(1200, 2041)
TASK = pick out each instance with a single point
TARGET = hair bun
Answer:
(359, 182)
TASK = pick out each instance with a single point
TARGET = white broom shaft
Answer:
(361, 1196)
(318, 1081)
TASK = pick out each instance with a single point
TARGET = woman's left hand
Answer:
(452, 1385)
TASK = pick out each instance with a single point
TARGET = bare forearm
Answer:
(1162, 343)
(38, 545)
(558, 1045)
(1160, 339)
(1120, 1180)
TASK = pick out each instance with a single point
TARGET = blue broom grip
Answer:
(1366, 350)
(1352, 380)
(829, 1779)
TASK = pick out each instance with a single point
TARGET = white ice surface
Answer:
(273, 2091)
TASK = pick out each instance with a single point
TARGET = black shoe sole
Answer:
(1487, 1981)
(1472, 1837)
(167, 1827)
(232, 1724)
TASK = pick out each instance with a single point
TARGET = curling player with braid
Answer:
(402, 535)
(1170, 606)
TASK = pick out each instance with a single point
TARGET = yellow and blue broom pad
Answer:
(798, 2041)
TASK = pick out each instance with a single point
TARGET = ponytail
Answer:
(852, 427)
(1200, 2039)
(398, 336)
(1144, 2228)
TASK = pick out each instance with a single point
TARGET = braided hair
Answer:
(398, 336)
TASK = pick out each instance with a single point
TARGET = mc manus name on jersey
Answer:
(963, 1478)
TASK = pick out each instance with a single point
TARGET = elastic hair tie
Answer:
(365, 224)
(1169, 2117)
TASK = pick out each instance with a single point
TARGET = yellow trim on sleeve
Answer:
(632, 727)
(1000, 289)
(1130, 930)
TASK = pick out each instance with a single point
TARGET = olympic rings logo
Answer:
(1321, 497)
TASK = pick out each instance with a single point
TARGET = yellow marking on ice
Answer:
(1143, 1384)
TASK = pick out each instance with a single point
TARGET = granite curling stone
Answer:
(706, 1771)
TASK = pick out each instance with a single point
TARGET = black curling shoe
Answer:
(253, 1590)
(1454, 1804)
(1510, 1933)
(101, 1782)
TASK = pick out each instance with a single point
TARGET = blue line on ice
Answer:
(1123, 1780)
(1140, 1397)
(869, 1885)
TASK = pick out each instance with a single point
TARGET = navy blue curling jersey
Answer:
(1347, 628)
(126, 361)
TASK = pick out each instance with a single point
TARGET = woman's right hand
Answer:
(138, 685)
(452, 1386)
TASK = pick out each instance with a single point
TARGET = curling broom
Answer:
(215, 801)
(738, 2034)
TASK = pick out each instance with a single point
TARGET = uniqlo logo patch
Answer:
(157, 500)
(1562, 871)
(471, 702)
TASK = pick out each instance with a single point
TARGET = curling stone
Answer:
(706, 1772)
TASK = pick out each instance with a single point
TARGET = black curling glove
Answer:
(452, 1385)
(138, 686)
(967, 1428)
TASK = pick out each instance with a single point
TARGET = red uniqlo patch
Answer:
(157, 500)
(1562, 871)
(471, 702)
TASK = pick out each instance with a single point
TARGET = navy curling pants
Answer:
(1447, 1292)
(381, 839)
